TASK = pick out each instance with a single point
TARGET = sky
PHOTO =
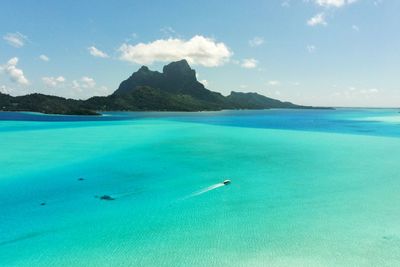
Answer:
(311, 52)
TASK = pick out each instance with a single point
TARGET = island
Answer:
(176, 88)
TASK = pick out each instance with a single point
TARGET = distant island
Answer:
(175, 89)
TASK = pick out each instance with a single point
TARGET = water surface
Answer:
(309, 188)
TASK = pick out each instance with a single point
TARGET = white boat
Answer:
(226, 182)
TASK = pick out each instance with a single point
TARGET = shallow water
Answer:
(309, 188)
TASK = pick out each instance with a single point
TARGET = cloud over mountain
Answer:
(198, 50)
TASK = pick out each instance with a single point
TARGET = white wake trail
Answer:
(205, 190)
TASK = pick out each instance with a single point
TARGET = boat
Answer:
(226, 182)
(106, 197)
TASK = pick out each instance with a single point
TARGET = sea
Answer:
(308, 188)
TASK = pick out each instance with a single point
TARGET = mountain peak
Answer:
(143, 69)
(179, 68)
(180, 63)
(176, 89)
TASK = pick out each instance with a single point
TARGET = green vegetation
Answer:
(175, 89)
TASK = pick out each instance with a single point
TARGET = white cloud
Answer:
(86, 87)
(204, 82)
(355, 28)
(102, 90)
(274, 83)
(318, 19)
(15, 39)
(5, 90)
(84, 83)
(334, 3)
(199, 50)
(44, 58)
(97, 52)
(256, 41)
(53, 81)
(87, 82)
(352, 92)
(249, 63)
(285, 3)
(15, 74)
(311, 48)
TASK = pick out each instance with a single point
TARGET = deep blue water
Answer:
(341, 120)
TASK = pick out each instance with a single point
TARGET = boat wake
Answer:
(205, 190)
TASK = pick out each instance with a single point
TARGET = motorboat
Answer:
(226, 182)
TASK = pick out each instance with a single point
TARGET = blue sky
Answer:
(314, 52)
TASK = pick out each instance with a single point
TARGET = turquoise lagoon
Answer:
(309, 188)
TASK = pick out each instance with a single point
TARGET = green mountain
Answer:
(177, 80)
(257, 101)
(44, 104)
(175, 89)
